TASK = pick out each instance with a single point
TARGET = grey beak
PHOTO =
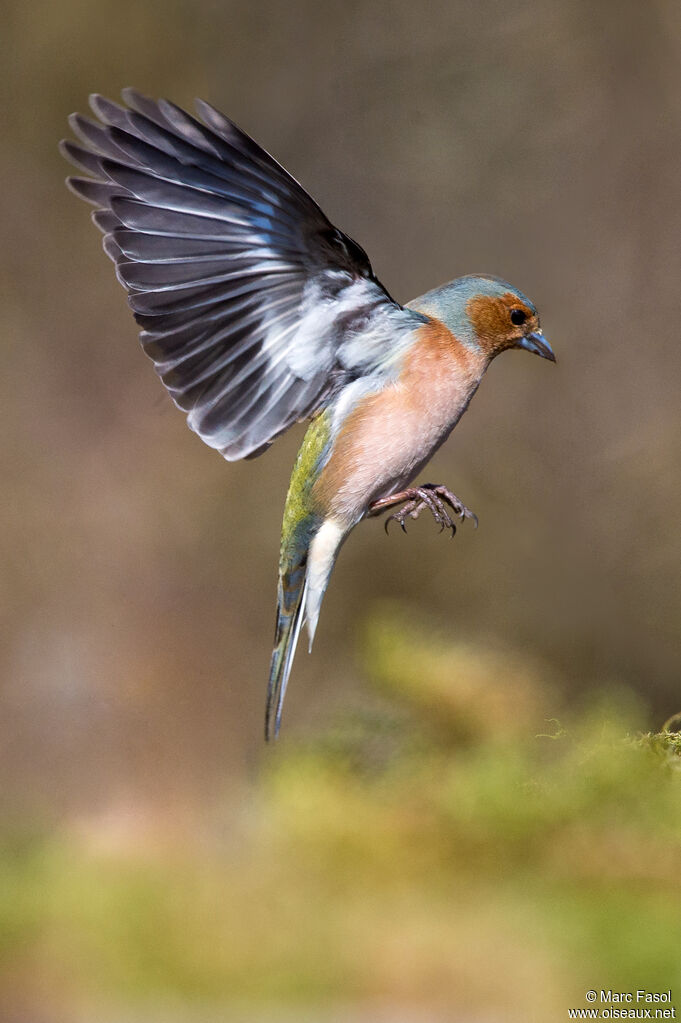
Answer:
(537, 343)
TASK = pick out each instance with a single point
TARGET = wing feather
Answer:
(250, 300)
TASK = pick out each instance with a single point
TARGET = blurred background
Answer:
(454, 825)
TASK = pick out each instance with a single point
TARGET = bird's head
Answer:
(487, 314)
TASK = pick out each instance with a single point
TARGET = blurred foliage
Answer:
(447, 848)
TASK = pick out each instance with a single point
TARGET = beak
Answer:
(537, 343)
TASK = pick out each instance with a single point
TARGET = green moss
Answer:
(394, 857)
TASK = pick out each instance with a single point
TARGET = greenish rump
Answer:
(301, 517)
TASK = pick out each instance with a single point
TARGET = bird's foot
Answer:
(437, 499)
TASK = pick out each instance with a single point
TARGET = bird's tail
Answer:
(301, 590)
(290, 613)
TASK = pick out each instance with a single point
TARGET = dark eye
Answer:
(518, 317)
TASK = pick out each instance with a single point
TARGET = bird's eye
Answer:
(518, 317)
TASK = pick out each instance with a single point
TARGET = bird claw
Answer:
(438, 500)
(409, 509)
(453, 501)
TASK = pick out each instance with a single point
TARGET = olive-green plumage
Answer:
(301, 521)
(300, 513)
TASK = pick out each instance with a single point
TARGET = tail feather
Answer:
(290, 616)
(301, 591)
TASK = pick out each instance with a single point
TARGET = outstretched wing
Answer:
(253, 305)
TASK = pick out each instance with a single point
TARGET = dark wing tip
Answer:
(196, 192)
(213, 118)
(106, 110)
(84, 159)
(80, 186)
(132, 96)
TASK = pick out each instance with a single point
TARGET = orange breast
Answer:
(389, 435)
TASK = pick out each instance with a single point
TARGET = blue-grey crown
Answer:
(448, 302)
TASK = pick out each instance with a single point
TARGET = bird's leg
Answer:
(437, 499)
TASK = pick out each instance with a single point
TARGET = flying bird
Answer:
(258, 313)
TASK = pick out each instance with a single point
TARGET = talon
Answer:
(453, 501)
(434, 497)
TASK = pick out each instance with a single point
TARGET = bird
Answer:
(258, 313)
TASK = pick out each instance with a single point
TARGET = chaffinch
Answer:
(258, 313)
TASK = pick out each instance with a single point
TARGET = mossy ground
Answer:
(452, 848)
